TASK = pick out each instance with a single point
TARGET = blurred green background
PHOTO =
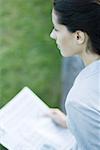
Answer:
(28, 57)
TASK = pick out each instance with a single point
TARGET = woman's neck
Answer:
(89, 57)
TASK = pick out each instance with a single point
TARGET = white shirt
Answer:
(83, 108)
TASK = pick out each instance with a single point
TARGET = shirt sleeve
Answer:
(83, 118)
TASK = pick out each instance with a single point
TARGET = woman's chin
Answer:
(65, 54)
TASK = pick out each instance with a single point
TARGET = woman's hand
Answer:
(58, 117)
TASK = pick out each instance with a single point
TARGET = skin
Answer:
(70, 44)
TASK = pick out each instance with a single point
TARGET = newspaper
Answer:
(24, 125)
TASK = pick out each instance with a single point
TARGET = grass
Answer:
(28, 57)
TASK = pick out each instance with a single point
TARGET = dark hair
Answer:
(81, 15)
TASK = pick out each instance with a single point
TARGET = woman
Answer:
(77, 31)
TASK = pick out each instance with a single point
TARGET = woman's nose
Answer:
(53, 35)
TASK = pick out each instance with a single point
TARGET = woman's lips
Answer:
(58, 46)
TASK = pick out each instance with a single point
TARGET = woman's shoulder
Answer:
(86, 89)
(89, 72)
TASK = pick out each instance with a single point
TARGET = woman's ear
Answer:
(80, 37)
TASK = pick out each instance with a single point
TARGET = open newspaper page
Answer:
(24, 126)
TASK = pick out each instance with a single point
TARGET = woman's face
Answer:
(65, 40)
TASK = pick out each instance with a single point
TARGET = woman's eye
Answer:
(55, 29)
